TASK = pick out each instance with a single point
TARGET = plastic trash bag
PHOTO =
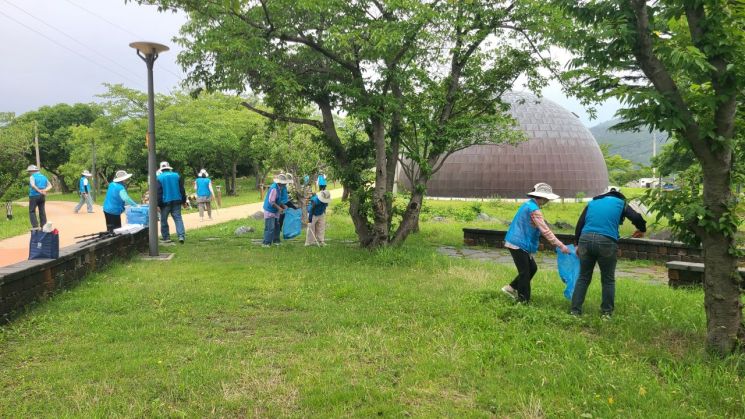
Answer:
(568, 269)
(138, 215)
(293, 224)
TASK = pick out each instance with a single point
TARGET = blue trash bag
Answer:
(568, 269)
(138, 215)
(293, 224)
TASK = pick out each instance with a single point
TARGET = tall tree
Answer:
(678, 66)
(15, 144)
(54, 125)
(399, 67)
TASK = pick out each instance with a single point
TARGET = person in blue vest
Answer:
(205, 193)
(597, 230)
(522, 240)
(272, 210)
(38, 186)
(171, 196)
(321, 182)
(116, 199)
(317, 219)
(285, 201)
(84, 189)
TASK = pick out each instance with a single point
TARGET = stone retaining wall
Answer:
(31, 280)
(635, 249)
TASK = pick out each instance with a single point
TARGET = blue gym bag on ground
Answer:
(43, 245)
(293, 224)
(138, 215)
(568, 269)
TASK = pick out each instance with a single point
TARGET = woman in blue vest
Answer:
(38, 186)
(272, 211)
(522, 240)
(203, 187)
(84, 189)
(116, 199)
(597, 232)
(317, 219)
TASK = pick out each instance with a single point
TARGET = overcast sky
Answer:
(57, 51)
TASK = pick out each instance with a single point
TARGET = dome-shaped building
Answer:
(559, 151)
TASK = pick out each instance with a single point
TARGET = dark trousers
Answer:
(596, 248)
(35, 202)
(526, 269)
(112, 221)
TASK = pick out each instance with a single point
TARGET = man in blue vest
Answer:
(116, 199)
(597, 230)
(273, 209)
(84, 189)
(171, 196)
(285, 201)
(38, 186)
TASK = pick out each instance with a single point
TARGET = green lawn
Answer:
(18, 225)
(230, 329)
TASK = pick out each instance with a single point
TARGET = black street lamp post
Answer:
(149, 52)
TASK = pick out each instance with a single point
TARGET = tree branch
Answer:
(283, 118)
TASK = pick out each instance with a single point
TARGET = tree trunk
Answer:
(345, 193)
(233, 177)
(380, 192)
(410, 220)
(359, 218)
(61, 182)
(722, 300)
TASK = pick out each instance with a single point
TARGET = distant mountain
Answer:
(634, 146)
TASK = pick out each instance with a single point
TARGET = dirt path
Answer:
(70, 225)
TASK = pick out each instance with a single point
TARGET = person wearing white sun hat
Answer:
(317, 218)
(205, 193)
(171, 196)
(84, 189)
(116, 199)
(272, 210)
(38, 186)
(522, 240)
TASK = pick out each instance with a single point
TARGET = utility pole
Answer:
(94, 189)
(36, 144)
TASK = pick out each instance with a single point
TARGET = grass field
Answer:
(18, 225)
(230, 329)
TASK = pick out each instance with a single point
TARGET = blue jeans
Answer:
(594, 248)
(173, 208)
(271, 230)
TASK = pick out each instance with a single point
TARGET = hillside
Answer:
(634, 146)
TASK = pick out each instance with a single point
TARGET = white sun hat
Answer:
(203, 172)
(324, 196)
(543, 190)
(86, 173)
(165, 166)
(121, 175)
(32, 168)
(281, 179)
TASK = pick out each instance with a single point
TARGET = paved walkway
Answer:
(70, 225)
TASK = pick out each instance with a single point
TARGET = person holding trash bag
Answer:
(272, 210)
(597, 230)
(205, 193)
(317, 219)
(84, 189)
(116, 198)
(522, 240)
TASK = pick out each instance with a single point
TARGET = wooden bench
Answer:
(686, 274)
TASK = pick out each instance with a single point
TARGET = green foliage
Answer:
(347, 332)
(15, 145)
(620, 170)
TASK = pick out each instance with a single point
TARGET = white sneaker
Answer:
(510, 291)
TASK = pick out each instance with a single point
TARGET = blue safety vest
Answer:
(318, 207)
(169, 181)
(267, 206)
(321, 180)
(82, 187)
(41, 182)
(603, 216)
(284, 196)
(203, 187)
(522, 233)
(114, 204)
